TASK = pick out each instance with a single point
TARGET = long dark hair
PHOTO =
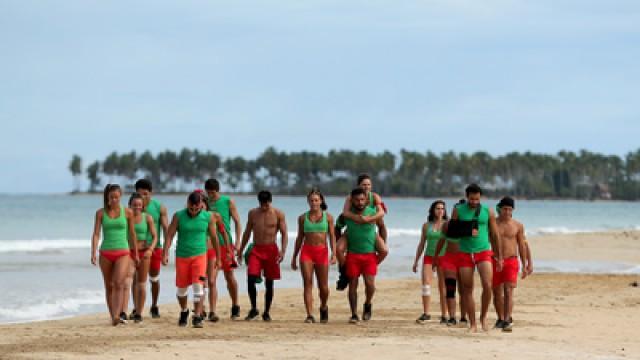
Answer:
(107, 190)
(432, 210)
(315, 191)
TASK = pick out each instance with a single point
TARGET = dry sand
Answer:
(557, 316)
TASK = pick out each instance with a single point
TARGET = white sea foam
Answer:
(53, 308)
(42, 245)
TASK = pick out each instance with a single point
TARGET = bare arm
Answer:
(382, 229)
(133, 240)
(154, 235)
(494, 237)
(377, 201)
(420, 248)
(298, 245)
(332, 238)
(96, 236)
(236, 220)
(245, 236)
(171, 232)
(282, 226)
(164, 222)
(522, 249)
(213, 237)
(529, 257)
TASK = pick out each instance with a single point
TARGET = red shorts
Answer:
(509, 273)
(471, 259)
(227, 260)
(449, 261)
(427, 260)
(264, 257)
(361, 264)
(114, 255)
(156, 260)
(316, 254)
(190, 270)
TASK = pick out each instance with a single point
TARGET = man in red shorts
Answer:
(476, 252)
(362, 259)
(513, 245)
(264, 222)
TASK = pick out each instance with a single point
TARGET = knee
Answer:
(450, 286)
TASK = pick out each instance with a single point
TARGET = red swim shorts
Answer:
(471, 259)
(449, 261)
(316, 254)
(264, 258)
(156, 260)
(227, 259)
(361, 264)
(190, 270)
(509, 273)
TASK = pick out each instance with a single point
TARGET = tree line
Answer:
(567, 174)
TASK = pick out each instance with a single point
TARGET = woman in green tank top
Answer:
(314, 227)
(430, 236)
(146, 242)
(118, 242)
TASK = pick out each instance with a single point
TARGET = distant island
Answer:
(565, 175)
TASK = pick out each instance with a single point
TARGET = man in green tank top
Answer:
(158, 212)
(476, 251)
(361, 254)
(226, 208)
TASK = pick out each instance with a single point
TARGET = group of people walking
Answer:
(131, 252)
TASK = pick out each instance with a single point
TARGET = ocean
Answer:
(45, 269)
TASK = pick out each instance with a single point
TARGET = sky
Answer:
(91, 77)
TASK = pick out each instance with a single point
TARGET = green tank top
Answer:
(142, 230)
(474, 244)
(192, 233)
(222, 206)
(154, 209)
(321, 226)
(114, 232)
(432, 241)
(361, 238)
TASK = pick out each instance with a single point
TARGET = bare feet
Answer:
(485, 324)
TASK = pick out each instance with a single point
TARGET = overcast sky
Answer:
(91, 77)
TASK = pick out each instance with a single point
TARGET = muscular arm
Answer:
(529, 257)
(245, 236)
(213, 237)
(282, 227)
(494, 237)
(299, 239)
(96, 235)
(382, 229)
(236, 221)
(377, 201)
(164, 222)
(332, 235)
(152, 230)
(171, 232)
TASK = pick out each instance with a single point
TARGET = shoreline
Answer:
(548, 324)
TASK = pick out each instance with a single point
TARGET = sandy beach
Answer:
(558, 316)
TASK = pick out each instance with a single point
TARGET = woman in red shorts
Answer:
(314, 227)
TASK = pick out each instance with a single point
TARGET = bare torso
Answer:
(509, 231)
(265, 224)
(315, 238)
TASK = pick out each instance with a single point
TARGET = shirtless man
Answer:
(264, 222)
(513, 245)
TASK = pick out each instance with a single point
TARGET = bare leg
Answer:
(306, 269)
(232, 286)
(212, 276)
(119, 285)
(322, 276)
(498, 301)
(466, 279)
(353, 295)
(427, 278)
(441, 293)
(131, 271)
(485, 270)
(451, 302)
(106, 267)
(155, 287)
(370, 288)
(463, 303)
(381, 249)
(509, 289)
(341, 249)
(141, 284)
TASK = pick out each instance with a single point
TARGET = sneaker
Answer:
(310, 320)
(463, 321)
(354, 319)
(253, 313)
(499, 324)
(443, 320)
(266, 317)
(123, 318)
(197, 322)
(452, 322)
(235, 312)
(132, 315)
(366, 312)
(423, 318)
(213, 317)
(324, 315)
(184, 318)
(507, 326)
(155, 313)
(137, 318)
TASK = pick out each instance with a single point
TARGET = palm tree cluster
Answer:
(581, 175)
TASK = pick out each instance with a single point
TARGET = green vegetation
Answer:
(582, 175)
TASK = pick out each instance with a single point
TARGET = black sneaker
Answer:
(324, 315)
(310, 319)
(266, 317)
(499, 324)
(184, 318)
(443, 320)
(132, 315)
(366, 312)
(343, 280)
(123, 318)
(507, 326)
(463, 321)
(137, 318)
(213, 317)
(452, 322)
(423, 318)
(197, 322)
(253, 313)
(235, 312)
(354, 319)
(155, 313)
